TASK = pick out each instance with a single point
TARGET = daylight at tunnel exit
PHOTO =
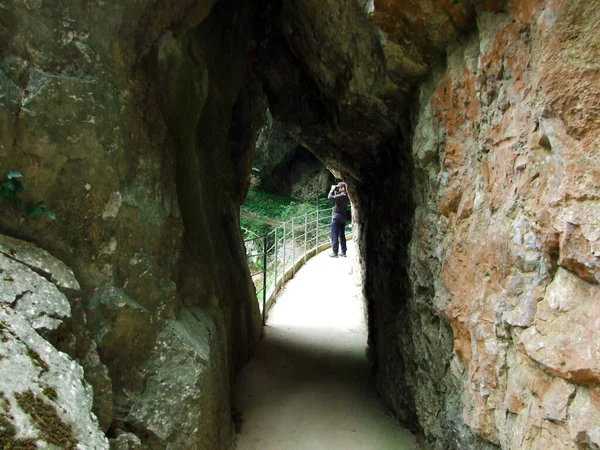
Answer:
(300, 225)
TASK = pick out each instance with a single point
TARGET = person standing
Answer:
(339, 195)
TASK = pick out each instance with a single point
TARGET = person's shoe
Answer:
(343, 254)
(333, 255)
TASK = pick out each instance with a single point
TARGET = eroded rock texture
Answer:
(135, 122)
(285, 167)
(477, 202)
(44, 397)
(468, 135)
(505, 236)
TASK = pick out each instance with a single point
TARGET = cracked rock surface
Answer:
(44, 394)
(33, 296)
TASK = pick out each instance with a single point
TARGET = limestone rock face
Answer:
(39, 261)
(135, 123)
(34, 297)
(564, 338)
(44, 394)
(172, 416)
(45, 397)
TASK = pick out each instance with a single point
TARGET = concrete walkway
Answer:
(307, 388)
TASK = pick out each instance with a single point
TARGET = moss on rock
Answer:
(37, 360)
(50, 392)
(8, 439)
(52, 428)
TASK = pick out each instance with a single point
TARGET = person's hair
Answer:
(342, 185)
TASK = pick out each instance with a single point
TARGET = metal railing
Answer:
(274, 257)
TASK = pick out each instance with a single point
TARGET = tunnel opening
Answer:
(368, 146)
(467, 134)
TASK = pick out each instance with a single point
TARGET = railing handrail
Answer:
(300, 228)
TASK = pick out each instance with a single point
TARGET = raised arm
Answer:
(331, 195)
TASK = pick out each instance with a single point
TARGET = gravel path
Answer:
(307, 388)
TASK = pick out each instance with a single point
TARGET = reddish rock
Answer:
(565, 337)
(515, 114)
(556, 401)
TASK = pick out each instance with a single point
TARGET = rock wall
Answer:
(285, 167)
(500, 336)
(44, 396)
(134, 122)
(468, 134)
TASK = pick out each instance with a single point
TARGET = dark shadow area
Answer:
(309, 384)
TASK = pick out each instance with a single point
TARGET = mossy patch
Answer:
(52, 428)
(4, 404)
(8, 439)
(4, 332)
(37, 360)
(50, 392)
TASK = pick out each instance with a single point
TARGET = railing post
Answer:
(276, 258)
(264, 311)
(293, 249)
(284, 233)
(317, 230)
(305, 234)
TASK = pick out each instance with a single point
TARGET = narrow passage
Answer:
(307, 387)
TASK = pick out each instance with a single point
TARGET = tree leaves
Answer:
(39, 209)
(11, 187)
(10, 190)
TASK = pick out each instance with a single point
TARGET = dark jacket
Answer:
(340, 207)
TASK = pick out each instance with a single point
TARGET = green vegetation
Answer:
(279, 207)
(264, 211)
(12, 188)
(253, 227)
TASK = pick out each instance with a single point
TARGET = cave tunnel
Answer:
(467, 133)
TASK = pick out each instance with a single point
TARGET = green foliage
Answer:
(252, 228)
(269, 209)
(279, 207)
(265, 204)
(11, 188)
(39, 209)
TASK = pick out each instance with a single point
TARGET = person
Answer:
(339, 195)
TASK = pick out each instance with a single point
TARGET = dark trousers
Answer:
(337, 236)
